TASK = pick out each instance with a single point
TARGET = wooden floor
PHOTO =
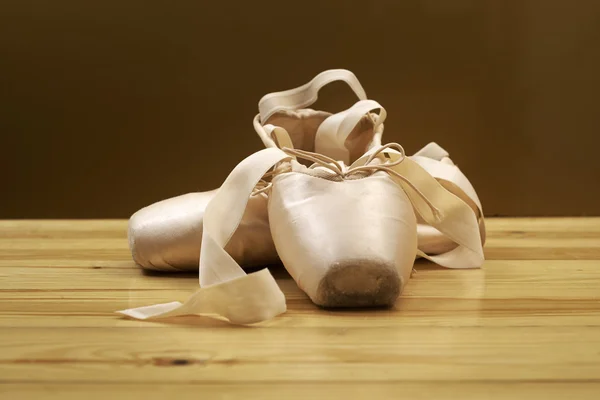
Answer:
(527, 325)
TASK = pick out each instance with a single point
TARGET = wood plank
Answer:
(497, 279)
(542, 248)
(508, 239)
(500, 315)
(554, 225)
(465, 390)
(63, 229)
(65, 245)
(546, 252)
(73, 263)
(417, 311)
(243, 354)
(468, 297)
(74, 228)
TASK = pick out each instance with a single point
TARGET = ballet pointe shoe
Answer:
(346, 243)
(437, 162)
(166, 235)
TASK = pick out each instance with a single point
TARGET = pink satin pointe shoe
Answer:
(347, 238)
(166, 235)
(436, 161)
(345, 228)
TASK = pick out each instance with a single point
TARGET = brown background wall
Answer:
(106, 106)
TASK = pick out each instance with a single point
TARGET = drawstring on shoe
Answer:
(263, 186)
(321, 160)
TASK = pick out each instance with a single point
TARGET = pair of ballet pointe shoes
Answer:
(346, 215)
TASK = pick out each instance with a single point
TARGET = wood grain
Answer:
(465, 390)
(519, 327)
